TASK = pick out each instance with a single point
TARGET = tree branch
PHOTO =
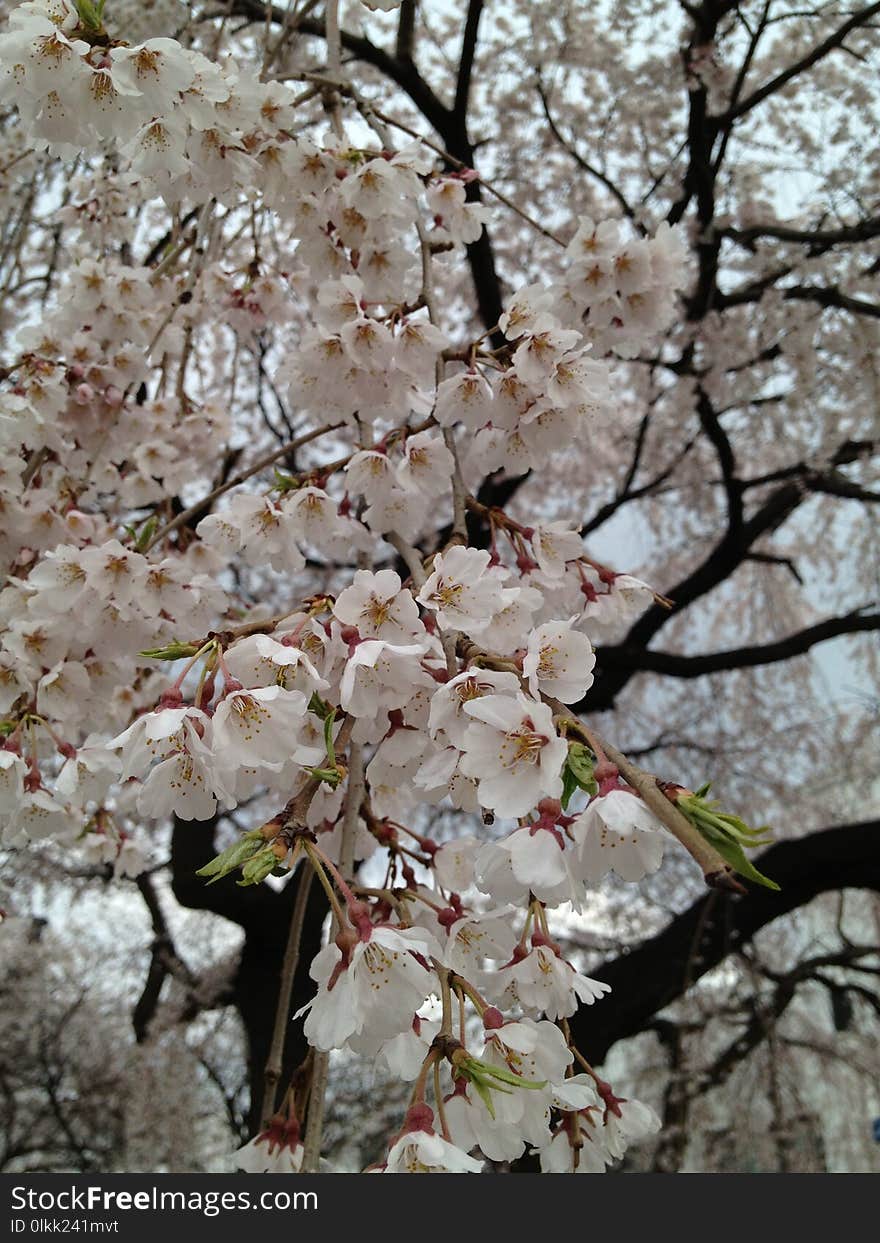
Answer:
(674, 666)
(831, 44)
(653, 974)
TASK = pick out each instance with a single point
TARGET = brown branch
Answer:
(672, 665)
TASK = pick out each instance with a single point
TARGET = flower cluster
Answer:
(343, 646)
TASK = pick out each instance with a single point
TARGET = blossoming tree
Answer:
(305, 461)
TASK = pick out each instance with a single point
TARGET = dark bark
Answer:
(264, 916)
(655, 973)
(670, 664)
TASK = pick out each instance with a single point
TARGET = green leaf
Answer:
(328, 737)
(578, 772)
(730, 835)
(319, 707)
(146, 533)
(485, 1095)
(89, 15)
(569, 785)
(487, 1079)
(733, 853)
(232, 857)
(285, 483)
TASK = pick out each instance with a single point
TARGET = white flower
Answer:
(396, 510)
(618, 831)
(554, 545)
(130, 859)
(464, 398)
(370, 474)
(454, 864)
(427, 465)
(628, 1122)
(542, 981)
(534, 859)
(454, 215)
(114, 571)
(378, 189)
(594, 240)
(259, 726)
(624, 597)
(60, 579)
(473, 938)
(378, 609)
(513, 752)
(277, 1150)
(523, 310)
(153, 735)
(13, 771)
(268, 532)
(369, 343)
(509, 629)
(157, 71)
(424, 1152)
(541, 348)
(38, 816)
(559, 661)
(262, 659)
(63, 693)
(448, 703)
(461, 591)
(340, 302)
(88, 775)
(539, 1055)
(380, 676)
(472, 1126)
(375, 992)
(183, 782)
(402, 1056)
(560, 1156)
(416, 348)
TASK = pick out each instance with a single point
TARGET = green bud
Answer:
(175, 650)
(259, 867)
(330, 776)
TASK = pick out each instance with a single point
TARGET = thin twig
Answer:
(289, 965)
(241, 477)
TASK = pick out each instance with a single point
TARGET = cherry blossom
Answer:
(559, 662)
(618, 832)
(373, 990)
(513, 752)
